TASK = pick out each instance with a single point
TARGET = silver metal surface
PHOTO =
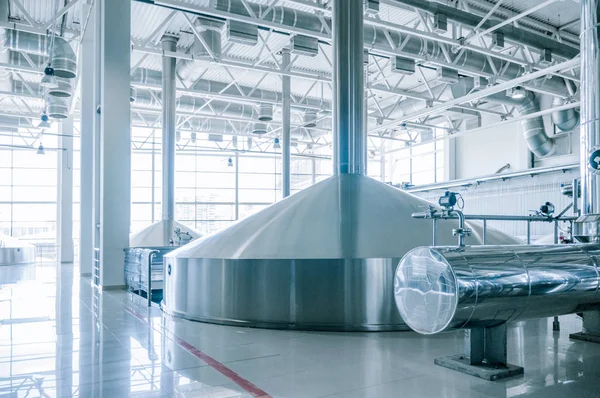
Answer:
(445, 288)
(286, 125)
(590, 118)
(14, 252)
(169, 44)
(154, 235)
(534, 131)
(495, 177)
(349, 155)
(321, 259)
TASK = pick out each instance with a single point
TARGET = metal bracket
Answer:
(591, 328)
(485, 355)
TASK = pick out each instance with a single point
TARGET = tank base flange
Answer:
(320, 327)
(461, 363)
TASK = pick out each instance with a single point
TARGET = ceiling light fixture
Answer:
(276, 145)
(41, 150)
(45, 122)
(229, 162)
(49, 80)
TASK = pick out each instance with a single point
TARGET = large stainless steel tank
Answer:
(323, 258)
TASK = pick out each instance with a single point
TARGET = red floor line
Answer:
(210, 361)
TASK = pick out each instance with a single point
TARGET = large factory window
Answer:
(420, 160)
(206, 183)
(28, 189)
(146, 180)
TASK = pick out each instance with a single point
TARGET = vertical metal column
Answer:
(65, 191)
(349, 151)
(237, 186)
(115, 141)
(88, 117)
(96, 141)
(590, 118)
(169, 44)
(286, 143)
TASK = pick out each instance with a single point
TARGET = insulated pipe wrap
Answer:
(446, 288)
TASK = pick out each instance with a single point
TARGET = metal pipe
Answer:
(490, 217)
(348, 87)
(512, 33)
(461, 225)
(590, 118)
(536, 138)
(494, 177)
(528, 232)
(286, 125)
(484, 232)
(169, 43)
(151, 79)
(445, 288)
(380, 37)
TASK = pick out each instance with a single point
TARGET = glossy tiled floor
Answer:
(60, 337)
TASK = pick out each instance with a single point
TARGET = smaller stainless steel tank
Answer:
(14, 252)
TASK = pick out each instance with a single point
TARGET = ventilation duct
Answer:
(63, 57)
(64, 89)
(265, 112)
(510, 32)
(210, 31)
(57, 107)
(534, 131)
(259, 128)
(378, 39)
(215, 126)
(309, 118)
(565, 120)
(150, 77)
(145, 100)
(537, 140)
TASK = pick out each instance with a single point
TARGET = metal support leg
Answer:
(484, 232)
(556, 324)
(434, 232)
(528, 232)
(485, 355)
(591, 328)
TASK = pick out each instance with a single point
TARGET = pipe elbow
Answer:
(63, 59)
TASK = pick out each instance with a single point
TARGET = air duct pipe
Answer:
(144, 99)
(210, 32)
(147, 77)
(63, 57)
(511, 33)
(64, 89)
(387, 43)
(590, 119)
(536, 138)
(566, 119)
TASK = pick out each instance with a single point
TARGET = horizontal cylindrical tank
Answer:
(445, 288)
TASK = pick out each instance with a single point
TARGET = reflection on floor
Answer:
(60, 337)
